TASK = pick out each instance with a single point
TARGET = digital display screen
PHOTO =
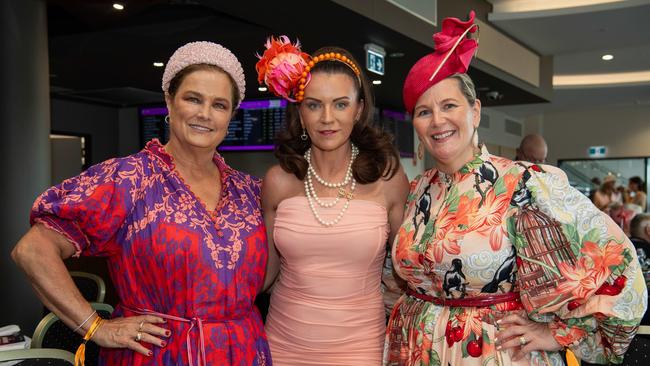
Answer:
(399, 124)
(152, 125)
(253, 127)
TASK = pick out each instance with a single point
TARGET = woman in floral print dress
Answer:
(506, 264)
(182, 232)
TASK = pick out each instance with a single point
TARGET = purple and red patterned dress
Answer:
(168, 255)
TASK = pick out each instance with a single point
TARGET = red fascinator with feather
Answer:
(453, 54)
(281, 66)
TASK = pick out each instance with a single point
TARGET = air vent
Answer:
(485, 121)
(513, 127)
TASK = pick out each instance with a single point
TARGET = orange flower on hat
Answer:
(281, 66)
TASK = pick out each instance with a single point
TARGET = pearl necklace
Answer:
(310, 192)
(348, 172)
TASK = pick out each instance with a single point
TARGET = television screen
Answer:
(152, 124)
(400, 126)
(253, 127)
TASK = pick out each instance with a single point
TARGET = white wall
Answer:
(495, 134)
(624, 130)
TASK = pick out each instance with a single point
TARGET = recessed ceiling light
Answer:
(158, 64)
(118, 6)
(376, 82)
(262, 88)
(396, 54)
(607, 57)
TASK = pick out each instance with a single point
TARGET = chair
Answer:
(92, 287)
(38, 356)
(639, 348)
(51, 332)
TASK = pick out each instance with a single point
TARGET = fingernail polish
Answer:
(168, 333)
(163, 344)
(150, 354)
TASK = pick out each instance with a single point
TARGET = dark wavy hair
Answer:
(639, 183)
(378, 157)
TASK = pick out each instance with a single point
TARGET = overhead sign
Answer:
(597, 151)
(375, 58)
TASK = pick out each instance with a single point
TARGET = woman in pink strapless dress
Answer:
(330, 207)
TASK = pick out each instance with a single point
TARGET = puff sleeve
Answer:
(90, 209)
(576, 268)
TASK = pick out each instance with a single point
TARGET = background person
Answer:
(183, 233)
(607, 194)
(636, 193)
(640, 237)
(533, 149)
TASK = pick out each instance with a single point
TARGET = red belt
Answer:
(468, 302)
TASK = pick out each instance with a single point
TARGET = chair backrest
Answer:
(39, 356)
(92, 287)
(51, 332)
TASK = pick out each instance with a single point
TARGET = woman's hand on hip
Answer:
(522, 335)
(132, 333)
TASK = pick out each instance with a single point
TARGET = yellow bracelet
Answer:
(80, 355)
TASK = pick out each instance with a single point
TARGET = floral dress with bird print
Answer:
(496, 227)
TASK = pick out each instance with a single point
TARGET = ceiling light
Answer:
(262, 88)
(118, 6)
(158, 64)
(396, 54)
(599, 80)
(607, 57)
(376, 82)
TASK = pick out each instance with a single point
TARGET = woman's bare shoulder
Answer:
(279, 184)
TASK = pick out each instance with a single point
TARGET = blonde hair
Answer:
(466, 86)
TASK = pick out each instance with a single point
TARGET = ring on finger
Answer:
(141, 325)
(523, 341)
(138, 337)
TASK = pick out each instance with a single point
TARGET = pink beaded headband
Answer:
(209, 53)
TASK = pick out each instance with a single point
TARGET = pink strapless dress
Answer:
(327, 308)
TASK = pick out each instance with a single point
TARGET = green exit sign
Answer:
(375, 58)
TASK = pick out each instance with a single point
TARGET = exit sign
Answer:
(375, 58)
(597, 151)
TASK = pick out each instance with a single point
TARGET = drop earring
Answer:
(304, 136)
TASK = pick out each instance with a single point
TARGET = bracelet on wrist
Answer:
(85, 321)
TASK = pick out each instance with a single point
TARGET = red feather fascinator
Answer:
(281, 66)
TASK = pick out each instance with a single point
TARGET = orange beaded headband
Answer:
(284, 68)
(330, 56)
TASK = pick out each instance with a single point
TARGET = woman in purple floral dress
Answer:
(182, 231)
